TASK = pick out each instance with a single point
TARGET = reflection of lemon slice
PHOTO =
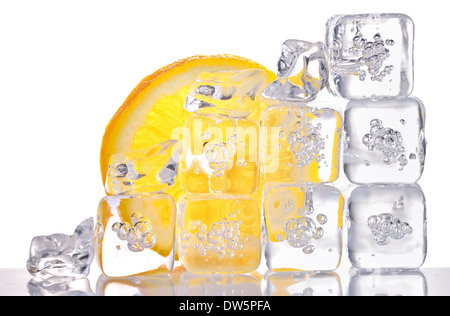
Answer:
(154, 109)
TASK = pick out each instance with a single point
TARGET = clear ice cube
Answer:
(385, 141)
(302, 284)
(60, 255)
(370, 55)
(300, 144)
(135, 234)
(303, 227)
(383, 235)
(220, 155)
(302, 72)
(219, 233)
(230, 93)
(144, 171)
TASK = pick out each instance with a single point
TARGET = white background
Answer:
(66, 67)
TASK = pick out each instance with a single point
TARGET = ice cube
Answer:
(63, 255)
(135, 234)
(370, 55)
(147, 170)
(303, 227)
(302, 72)
(302, 284)
(219, 234)
(220, 155)
(300, 144)
(230, 93)
(385, 141)
(382, 236)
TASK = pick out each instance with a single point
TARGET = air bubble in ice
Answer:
(387, 141)
(139, 235)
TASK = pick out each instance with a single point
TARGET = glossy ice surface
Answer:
(60, 255)
(135, 234)
(219, 234)
(143, 171)
(300, 144)
(220, 155)
(230, 93)
(385, 141)
(302, 72)
(387, 227)
(370, 55)
(303, 227)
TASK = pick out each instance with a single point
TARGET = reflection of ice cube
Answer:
(59, 286)
(385, 141)
(302, 72)
(302, 284)
(370, 55)
(381, 236)
(225, 92)
(141, 285)
(147, 170)
(387, 283)
(63, 255)
(218, 285)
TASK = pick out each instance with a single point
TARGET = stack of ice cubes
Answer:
(269, 187)
(135, 228)
(371, 65)
(226, 161)
(300, 159)
(218, 229)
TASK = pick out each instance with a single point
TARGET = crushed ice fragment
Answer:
(147, 170)
(302, 72)
(63, 255)
(230, 93)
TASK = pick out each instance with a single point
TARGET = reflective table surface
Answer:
(348, 282)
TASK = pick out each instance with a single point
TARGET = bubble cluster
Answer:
(386, 226)
(221, 155)
(300, 232)
(222, 238)
(387, 141)
(366, 57)
(372, 54)
(305, 140)
(139, 234)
